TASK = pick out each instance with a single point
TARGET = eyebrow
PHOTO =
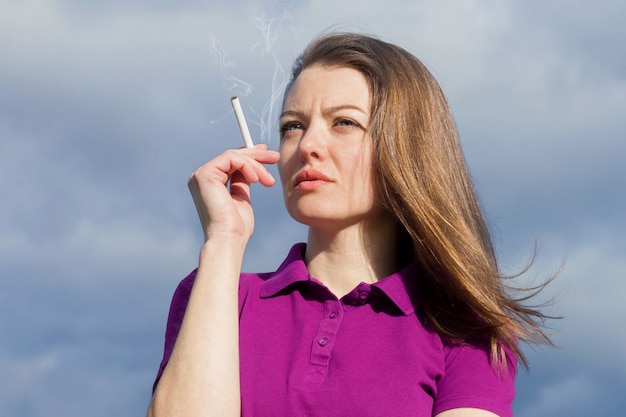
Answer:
(327, 111)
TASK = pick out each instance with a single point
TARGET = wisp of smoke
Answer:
(271, 29)
(232, 84)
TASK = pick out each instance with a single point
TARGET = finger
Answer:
(247, 161)
(251, 169)
(261, 154)
(239, 187)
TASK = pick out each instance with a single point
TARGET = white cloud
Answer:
(593, 301)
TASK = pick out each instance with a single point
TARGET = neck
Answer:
(364, 252)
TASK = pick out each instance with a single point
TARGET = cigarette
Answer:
(241, 120)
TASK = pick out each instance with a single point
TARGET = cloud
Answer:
(106, 107)
(594, 293)
(564, 398)
(24, 375)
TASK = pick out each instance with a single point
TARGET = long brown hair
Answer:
(423, 181)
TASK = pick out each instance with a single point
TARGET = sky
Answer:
(107, 107)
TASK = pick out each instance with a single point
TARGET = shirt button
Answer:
(363, 295)
(333, 315)
(323, 341)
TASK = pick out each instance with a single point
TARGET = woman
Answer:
(393, 307)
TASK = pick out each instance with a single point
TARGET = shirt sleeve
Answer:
(174, 320)
(471, 381)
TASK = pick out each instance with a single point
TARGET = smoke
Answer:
(232, 84)
(271, 27)
(271, 30)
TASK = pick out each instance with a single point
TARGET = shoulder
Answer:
(475, 357)
(292, 268)
(472, 381)
(248, 283)
(180, 299)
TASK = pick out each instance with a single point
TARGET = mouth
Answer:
(310, 180)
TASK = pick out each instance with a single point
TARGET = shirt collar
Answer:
(292, 270)
(399, 287)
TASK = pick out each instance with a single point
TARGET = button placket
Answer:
(321, 350)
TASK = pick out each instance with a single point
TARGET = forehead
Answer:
(330, 86)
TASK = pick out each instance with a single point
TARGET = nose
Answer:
(313, 142)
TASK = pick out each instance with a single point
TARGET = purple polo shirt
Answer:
(304, 352)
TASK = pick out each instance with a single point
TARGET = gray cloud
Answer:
(106, 108)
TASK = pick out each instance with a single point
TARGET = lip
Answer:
(310, 179)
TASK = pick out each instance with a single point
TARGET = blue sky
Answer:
(106, 107)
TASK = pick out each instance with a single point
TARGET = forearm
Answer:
(202, 375)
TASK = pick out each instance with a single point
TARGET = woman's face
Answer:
(326, 156)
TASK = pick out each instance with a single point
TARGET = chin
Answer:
(307, 217)
(310, 216)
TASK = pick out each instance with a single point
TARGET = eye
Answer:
(289, 126)
(347, 124)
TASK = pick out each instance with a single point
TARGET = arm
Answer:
(202, 375)
(466, 412)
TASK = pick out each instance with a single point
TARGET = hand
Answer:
(224, 210)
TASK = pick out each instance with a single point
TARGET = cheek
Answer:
(364, 175)
(284, 168)
(362, 164)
